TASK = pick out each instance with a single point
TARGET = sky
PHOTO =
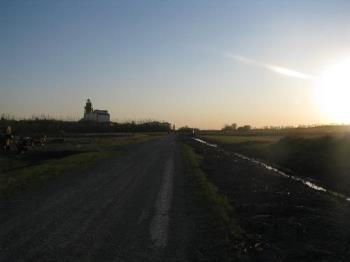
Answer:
(200, 63)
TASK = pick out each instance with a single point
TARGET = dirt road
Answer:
(117, 210)
(140, 206)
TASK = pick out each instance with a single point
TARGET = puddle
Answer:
(281, 173)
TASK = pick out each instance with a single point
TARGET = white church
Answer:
(101, 116)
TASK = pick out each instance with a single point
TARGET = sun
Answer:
(332, 91)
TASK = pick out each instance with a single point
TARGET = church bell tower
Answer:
(88, 107)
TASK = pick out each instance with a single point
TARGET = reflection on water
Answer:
(281, 173)
(205, 142)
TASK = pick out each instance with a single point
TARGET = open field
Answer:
(320, 130)
(233, 139)
(20, 171)
(323, 158)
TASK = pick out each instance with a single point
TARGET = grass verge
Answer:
(215, 226)
(37, 174)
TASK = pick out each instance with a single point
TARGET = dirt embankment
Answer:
(282, 219)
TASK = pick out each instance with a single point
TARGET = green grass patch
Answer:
(106, 143)
(22, 172)
(217, 204)
(34, 175)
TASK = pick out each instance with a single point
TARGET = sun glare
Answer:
(332, 92)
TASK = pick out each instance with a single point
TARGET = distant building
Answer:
(96, 115)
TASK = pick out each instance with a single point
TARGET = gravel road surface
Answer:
(117, 210)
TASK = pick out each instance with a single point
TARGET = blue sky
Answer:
(166, 60)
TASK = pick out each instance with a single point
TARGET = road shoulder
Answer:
(212, 227)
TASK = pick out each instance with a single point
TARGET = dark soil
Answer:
(283, 220)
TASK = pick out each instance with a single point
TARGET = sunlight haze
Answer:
(197, 63)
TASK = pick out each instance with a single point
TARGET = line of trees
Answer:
(188, 130)
(233, 127)
(56, 127)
